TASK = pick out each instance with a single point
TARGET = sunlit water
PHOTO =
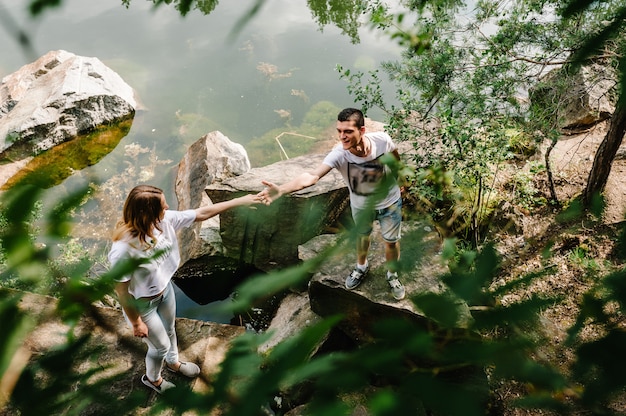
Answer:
(192, 78)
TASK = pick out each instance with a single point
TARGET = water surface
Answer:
(192, 78)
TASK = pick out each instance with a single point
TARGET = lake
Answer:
(193, 78)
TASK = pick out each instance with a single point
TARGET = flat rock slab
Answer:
(204, 343)
(372, 299)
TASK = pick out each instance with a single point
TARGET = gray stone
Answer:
(361, 308)
(293, 315)
(268, 236)
(58, 97)
(371, 301)
(584, 98)
(211, 159)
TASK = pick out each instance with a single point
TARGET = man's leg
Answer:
(391, 223)
(392, 255)
(362, 248)
(363, 223)
(362, 267)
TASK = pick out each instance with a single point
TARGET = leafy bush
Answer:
(411, 369)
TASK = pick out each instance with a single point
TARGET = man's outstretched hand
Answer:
(270, 194)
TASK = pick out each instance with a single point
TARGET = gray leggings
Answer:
(159, 315)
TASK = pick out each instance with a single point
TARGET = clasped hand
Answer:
(269, 194)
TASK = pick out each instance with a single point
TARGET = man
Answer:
(374, 192)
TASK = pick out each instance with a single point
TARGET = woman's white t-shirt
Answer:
(151, 278)
(364, 175)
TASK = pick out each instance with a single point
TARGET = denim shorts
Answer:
(390, 220)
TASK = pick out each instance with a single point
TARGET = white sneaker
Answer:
(397, 289)
(165, 385)
(356, 277)
(187, 369)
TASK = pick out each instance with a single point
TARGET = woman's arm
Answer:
(126, 300)
(208, 211)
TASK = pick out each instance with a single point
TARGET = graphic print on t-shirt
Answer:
(364, 178)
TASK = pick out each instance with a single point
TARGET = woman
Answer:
(148, 230)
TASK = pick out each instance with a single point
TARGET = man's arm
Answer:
(403, 171)
(304, 180)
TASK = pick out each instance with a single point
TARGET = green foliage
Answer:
(436, 367)
(461, 98)
(458, 106)
(580, 257)
(610, 15)
(575, 209)
(343, 14)
(439, 367)
(184, 6)
(524, 192)
(413, 37)
(48, 385)
(17, 326)
(28, 262)
(602, 377)
(252, 381)
(520, 144)
(453, 204)
(37, 7)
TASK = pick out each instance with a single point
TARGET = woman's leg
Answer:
(157, 317)
(167, 312)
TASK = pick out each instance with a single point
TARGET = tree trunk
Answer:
(553, 195)
(601, 168)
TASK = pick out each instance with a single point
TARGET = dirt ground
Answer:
(574, 275)
(523, 252)
(572, 159)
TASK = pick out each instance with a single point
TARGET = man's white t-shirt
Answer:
(151, 278)
(363, 175)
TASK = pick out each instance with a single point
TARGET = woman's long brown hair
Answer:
(141, 215)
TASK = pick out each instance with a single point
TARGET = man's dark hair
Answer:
(353, 114)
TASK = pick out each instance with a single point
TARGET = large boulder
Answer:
(268, 236)
(211, 159)
(58, 115)
(372, 301)
(57, 97)
(363, 308)
(583, 98)
(292, 316)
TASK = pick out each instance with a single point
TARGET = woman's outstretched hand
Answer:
(250, 199)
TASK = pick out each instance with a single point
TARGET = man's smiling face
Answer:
(349, 135)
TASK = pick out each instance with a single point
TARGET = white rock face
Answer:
(58, 97)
